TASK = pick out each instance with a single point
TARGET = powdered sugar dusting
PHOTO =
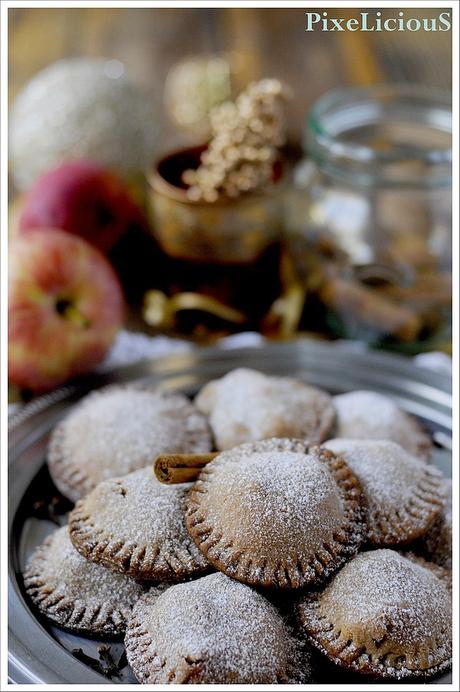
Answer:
(276, 513)
(138, 512)
(213, 630)
(138, 508)
(391, 477)
(247, 405)
(286, 502)
(391, 605)
(120, 429)
(57, 572)
(370, 415)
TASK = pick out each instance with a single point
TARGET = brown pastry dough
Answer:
(135, 525)
(373, 416)
(436, 544)
(119, 429)
(212, 630)
(274, 513)
(75, 593)
(404, 496)
(246, 406)
(383, 614)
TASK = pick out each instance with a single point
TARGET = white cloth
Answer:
(132, 347)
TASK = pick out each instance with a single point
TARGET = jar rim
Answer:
(335, 113)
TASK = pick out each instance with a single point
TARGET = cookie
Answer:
(385, 615)
(135, 525)
(76, 594)
(120, 429)
(276, 514)
(373, 416)
(212, 631)
(404, 496)
(436, 544)
(246, 405)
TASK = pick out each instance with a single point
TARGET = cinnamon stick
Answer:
(353, 300)
(180, 468)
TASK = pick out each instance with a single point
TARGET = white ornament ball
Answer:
(81, 108)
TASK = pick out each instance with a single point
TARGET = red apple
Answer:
(84, 199)
(65, 307)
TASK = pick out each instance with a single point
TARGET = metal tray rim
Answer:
(400, 375)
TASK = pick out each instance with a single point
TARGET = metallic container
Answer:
(229, 231)
(40, 653)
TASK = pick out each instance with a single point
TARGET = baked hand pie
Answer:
(119, 429)
(135, 525)
(436, 544)
(246, 405)
(373, 416)
(75, 593)
(212, 630)
(404, 496)
(275, 513)
(383, 614)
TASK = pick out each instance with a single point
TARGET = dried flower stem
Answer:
(246, 136)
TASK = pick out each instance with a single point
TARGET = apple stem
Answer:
(73, 315)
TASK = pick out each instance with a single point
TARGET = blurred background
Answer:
(273, 42)
(349, 252)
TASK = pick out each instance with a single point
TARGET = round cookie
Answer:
(135, 525)
(77, 594)
(385, 615)
(404, 496)
(373, 416)
(275, 513)
(119, 429)
(212, 630)
(246, 405)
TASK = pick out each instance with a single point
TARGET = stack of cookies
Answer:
(318, 525)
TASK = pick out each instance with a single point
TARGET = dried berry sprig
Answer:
(246, 136)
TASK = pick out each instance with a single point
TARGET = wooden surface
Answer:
(274, 42)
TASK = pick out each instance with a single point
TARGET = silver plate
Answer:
(39, 653)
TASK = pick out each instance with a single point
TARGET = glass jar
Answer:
(369, 218)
